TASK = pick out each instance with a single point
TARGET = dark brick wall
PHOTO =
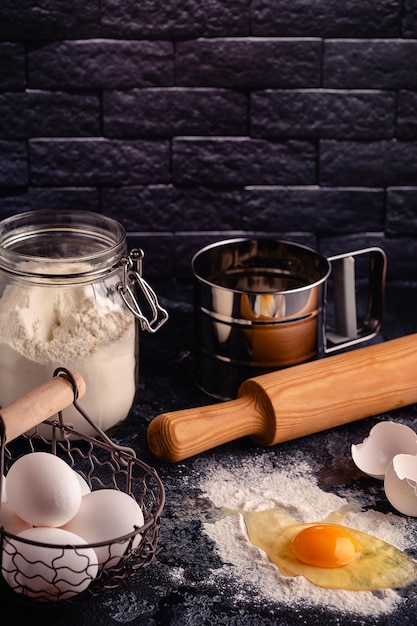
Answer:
(193, 121)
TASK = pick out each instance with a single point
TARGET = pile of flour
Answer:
(262, 485)
(85, 328)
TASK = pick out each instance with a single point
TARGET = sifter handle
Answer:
(40, 404)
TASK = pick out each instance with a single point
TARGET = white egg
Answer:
(43, 489)
(10, 521)
(400, 483)
(106, 515)
(48, 573)
(85, 487)
(385, 440)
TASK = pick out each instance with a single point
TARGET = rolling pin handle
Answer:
(180, 434)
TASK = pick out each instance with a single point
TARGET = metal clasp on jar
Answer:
(131, 277)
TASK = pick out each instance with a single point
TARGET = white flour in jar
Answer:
(79, 327)
(262, 485)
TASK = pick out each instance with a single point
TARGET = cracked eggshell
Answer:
(385, 441)
(400, 483)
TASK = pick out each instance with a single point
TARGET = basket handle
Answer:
(41, 403)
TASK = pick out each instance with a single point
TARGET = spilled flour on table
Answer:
(263, 485)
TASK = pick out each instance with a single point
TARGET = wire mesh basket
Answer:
(47, 572)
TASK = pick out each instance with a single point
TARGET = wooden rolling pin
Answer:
(297, 401)
(40, 404)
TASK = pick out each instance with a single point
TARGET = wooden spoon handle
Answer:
(40, 404)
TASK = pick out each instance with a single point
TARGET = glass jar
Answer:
(69, 297)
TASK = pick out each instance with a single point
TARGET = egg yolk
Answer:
(325, 545)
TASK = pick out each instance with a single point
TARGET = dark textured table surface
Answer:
(177, 588)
